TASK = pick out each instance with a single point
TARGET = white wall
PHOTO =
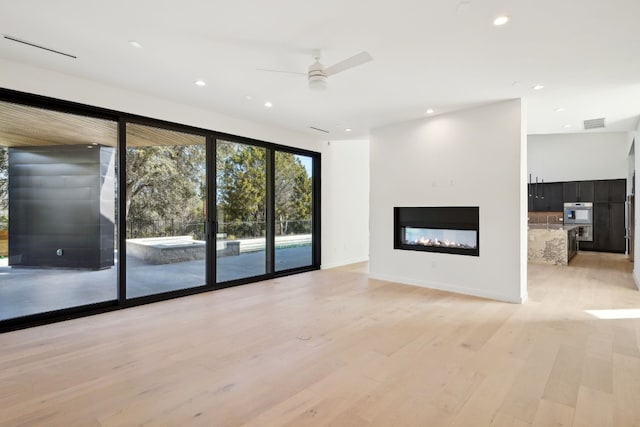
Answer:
(470, 158)
(340, 165)
(578, 156)
(345, 186)
(636, 237)
(631, 167)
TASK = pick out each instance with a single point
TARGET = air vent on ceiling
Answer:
(594, 124)
(318, 129)
(13, 39)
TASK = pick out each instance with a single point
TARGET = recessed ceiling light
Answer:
(538, 87)
(347, 130)
(430, 111)
(501, 20)
(560, 109)
(566, 126)
(135, 44)
(200, 83)
(268, 104)
(247, 97)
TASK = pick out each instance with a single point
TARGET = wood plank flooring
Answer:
(335, 348)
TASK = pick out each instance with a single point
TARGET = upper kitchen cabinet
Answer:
(601, 191)
(610, 191)
(546, 197)
(555, 192)
(540, 203)
(577, 191)
(618, 190)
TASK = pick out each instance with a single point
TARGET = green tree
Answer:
(292, 194)
(241, 182)
(165, 183)
(241, 178)
(303, 205)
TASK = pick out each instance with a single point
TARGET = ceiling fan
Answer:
(318, 74)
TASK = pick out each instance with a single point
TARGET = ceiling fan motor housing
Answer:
(317, 76)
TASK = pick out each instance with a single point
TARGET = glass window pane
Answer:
(240, 210)
(58, 235)
(165, 210)
(293, 211)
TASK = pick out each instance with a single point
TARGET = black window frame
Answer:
(122, 119)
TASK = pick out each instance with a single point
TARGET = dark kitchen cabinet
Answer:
(577, 191)
(608, 197)
(608, 227)
(585, 191)
(618, 190)
(549, 197)
(617, 241)
(570, 191)
(601, 226)
(586, 246)
(610, 191)
(601, 191)
(540, 202)
(555, 196)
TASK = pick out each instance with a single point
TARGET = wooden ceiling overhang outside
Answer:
(26, 126)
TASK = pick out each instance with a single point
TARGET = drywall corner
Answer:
(345, 205)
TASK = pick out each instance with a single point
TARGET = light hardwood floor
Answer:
(335, 348)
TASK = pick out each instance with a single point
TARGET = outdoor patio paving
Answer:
(25, 291)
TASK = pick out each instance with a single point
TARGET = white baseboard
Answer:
(342, 263)
(636, 277)
(450, 288)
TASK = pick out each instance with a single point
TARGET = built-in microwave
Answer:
(578, 213)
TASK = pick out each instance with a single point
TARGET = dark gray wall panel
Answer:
(61, 197)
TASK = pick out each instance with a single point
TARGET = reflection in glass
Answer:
(58, 236)
(241, 210)
(165, 210)
(293, 207)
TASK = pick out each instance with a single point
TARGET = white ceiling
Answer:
(440, 54)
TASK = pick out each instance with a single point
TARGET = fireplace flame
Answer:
(425, 241)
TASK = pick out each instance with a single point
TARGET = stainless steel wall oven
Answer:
(580, 214)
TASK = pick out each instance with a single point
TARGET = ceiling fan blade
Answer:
(280, 71)
(354, 61)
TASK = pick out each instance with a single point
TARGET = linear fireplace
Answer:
(453, 230)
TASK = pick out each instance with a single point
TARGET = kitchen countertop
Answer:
(551, 244)
(551, 226)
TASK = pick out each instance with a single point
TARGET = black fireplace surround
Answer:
(452, 230)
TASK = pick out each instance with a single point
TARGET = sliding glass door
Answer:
(165, 210)
(58, 234)
(241, 211)
(293, 196)
(101, 210)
